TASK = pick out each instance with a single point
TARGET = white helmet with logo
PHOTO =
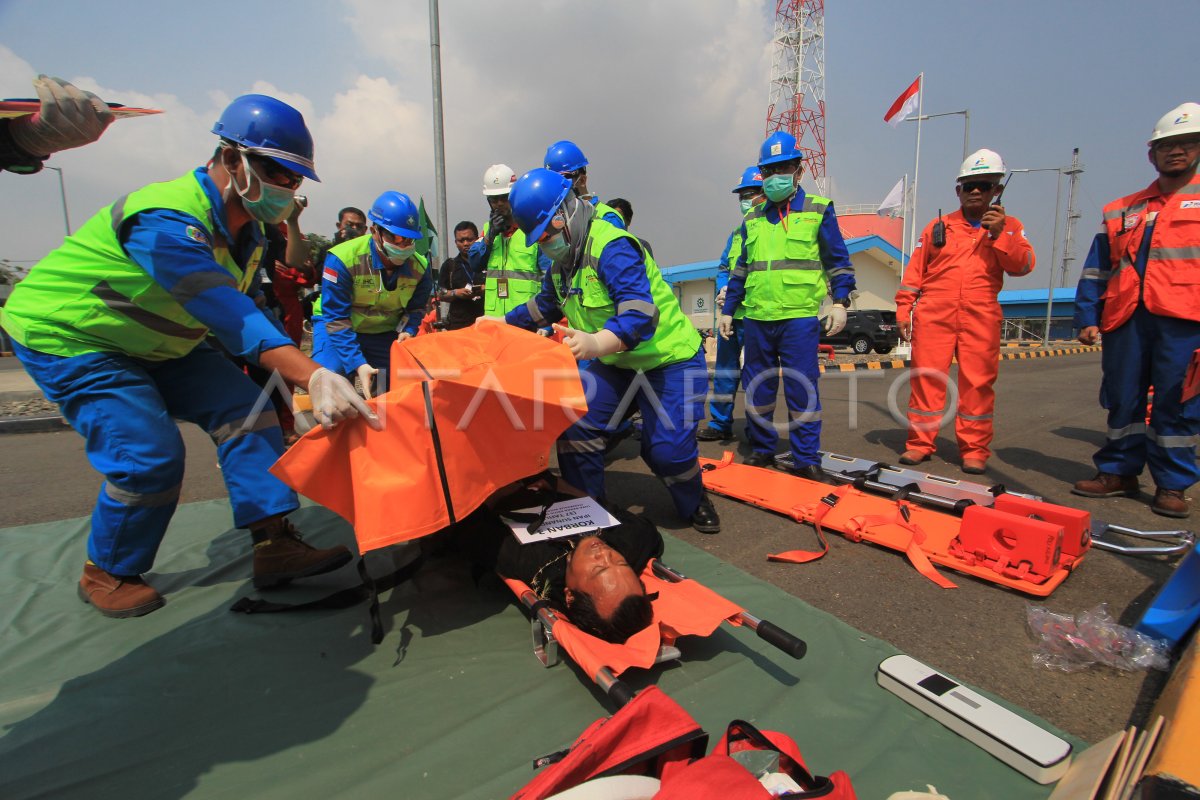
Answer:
(982, 162)
(1177, 122)
(498, 179)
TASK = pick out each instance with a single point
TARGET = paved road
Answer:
(1048, 425)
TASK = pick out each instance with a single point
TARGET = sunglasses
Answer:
(976, 186)
(778, 168)
(274, 173)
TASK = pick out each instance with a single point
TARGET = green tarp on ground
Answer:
(195, 701)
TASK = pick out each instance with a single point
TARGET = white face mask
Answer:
(274, 203)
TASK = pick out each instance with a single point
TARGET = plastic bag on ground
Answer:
(1071, 643)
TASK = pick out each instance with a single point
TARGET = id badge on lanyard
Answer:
(502, 288)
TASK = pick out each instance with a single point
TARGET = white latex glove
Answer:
(721, 297)
(586, 345)
(402, 335)
(834, 320)
(334, 399)
(69, 117)
(365, 373)
(725, 326)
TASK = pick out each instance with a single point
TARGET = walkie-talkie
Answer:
(1000, 196)
(939, 231)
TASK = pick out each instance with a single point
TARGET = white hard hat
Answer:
(1178, 121)
(982, 162)
(498, 179)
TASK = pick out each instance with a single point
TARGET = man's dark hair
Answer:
(624, 208)
(466, 225)
(632, 615)
(350, 210)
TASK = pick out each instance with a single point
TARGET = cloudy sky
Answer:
(667, 99)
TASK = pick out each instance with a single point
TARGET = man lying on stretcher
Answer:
(593, 580)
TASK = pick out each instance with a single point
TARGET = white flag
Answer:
(893, 202)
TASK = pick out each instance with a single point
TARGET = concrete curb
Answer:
(43, 424)
(902, 364)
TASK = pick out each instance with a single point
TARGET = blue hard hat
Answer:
(271, 128)
(397, 214)
(565, 156)
(535, 198)
(751, 179)
(779, 146)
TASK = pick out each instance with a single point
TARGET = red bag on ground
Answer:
(651, 735)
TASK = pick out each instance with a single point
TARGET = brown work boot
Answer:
(1106, 484)
(911, 457)
(118, 596)
(280, 555)
(974, 466)
(1170, 503)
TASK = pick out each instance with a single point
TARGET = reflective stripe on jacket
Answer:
(784, 275)
(1171, 286)
(89, 296)
(373, 307)
(588, 305)
(513, 260)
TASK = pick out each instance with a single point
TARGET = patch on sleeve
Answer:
(1190, 204)
(918, 244)
(197, 235)
(330, 274)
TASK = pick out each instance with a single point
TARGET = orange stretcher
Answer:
(683, 608)
(1018, 542)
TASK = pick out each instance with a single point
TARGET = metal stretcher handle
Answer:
(617, 690)
(773, 634)
(769, 632)
(1179, 541)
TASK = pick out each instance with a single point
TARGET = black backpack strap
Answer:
(367, 589)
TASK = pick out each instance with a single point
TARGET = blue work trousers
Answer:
(671, 400)
(1150, 350)
(726, 377)
(376, 350)
(126, 410)
(789, 345)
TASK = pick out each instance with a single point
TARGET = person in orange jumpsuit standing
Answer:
(947, 308)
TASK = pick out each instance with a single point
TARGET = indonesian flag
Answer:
(905, 104)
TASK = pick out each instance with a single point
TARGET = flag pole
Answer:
(917, 165)
(903, 227)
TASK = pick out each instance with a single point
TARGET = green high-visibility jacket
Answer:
(89, 296)
(513, 265)
(587, 305)
(784, 276)
(373, 307)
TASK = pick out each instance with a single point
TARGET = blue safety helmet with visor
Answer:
(396, 213)
(751, 179)
(565, 157)
(535, 198)
(271, 130)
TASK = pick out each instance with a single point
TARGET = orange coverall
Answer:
(953, 289)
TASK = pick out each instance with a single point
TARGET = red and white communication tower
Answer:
(797, 101)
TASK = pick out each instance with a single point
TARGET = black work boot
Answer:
(812, 472)
(711, 434)
(704, 518)
(280, 555)
(757, 459)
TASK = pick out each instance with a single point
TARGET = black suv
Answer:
(866, 330)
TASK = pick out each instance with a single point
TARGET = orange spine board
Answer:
(859, 515)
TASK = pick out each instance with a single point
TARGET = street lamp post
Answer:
(1054, 245)
(966, 114)
(62, 190)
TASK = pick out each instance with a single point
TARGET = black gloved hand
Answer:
(497, 224)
